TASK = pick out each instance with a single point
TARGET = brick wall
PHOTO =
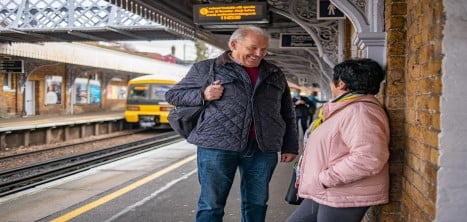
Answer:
(8, 99)
(3, 105)
(395, 23)
(115, 104)
(414, 31)
(38, 76)
(11, 102)
(425, 21)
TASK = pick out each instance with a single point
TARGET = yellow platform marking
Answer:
(72, 214)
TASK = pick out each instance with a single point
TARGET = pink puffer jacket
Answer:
(345, 162)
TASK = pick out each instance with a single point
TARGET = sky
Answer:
(184, 49)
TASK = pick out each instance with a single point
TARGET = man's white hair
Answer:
(243, 31)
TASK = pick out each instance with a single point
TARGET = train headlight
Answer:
(165, 108)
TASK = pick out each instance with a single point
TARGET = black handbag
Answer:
(183, 119)
(291, 196)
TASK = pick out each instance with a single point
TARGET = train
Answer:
(145, 105)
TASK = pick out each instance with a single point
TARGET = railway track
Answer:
(22, 178)
(60, 147)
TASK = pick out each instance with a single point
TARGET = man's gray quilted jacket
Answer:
(225, 124)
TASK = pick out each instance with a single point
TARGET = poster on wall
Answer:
(122, 91)
(94, 92)
(87, 91)
(116, 92)
(53, 90)
(81, 91)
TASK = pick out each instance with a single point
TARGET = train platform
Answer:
(160, 185)
(44, 130)
(43, 121)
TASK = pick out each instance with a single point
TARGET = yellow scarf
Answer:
(320, 118)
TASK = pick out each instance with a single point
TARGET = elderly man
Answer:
(248, 120)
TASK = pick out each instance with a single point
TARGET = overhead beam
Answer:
(36, 35)
(125, 33)
(87, 36)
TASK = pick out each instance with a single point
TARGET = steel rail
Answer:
(67, 146)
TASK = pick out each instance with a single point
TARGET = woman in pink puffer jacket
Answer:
(344, 167)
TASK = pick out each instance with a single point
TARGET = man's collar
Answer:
(232, 58)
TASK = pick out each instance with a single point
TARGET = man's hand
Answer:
(213, 91)
(287, 157)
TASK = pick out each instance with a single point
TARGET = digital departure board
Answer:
(235, 13)
(12, 66)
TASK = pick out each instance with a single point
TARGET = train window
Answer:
(137, 92)
(147, 93)
(158, 92)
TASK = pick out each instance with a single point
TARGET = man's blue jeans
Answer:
(216, 172)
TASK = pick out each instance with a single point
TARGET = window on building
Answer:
(7, 81)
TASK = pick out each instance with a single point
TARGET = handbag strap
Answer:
(212, 75)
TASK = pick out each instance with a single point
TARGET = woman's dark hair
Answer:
(359, 75)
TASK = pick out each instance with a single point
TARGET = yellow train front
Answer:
(146, 105)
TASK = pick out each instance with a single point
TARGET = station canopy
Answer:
(305, 59)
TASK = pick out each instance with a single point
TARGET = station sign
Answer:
(328, 11)
(12, 66)
(296, 40)
(231, 14)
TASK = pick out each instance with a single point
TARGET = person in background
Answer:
(344, 167)
(301, 109)
(313, 105)
(248, 120)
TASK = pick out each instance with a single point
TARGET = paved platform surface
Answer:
(160, 185)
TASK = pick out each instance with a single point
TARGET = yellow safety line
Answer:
(72, 214)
